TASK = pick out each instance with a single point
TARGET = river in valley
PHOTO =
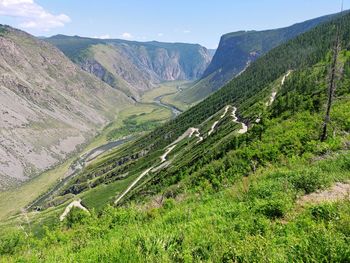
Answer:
(175, 111)
(76, 167)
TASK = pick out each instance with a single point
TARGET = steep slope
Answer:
(134, 67)
(237, 50)
(48, 106)
(241, 105)
(216, 187)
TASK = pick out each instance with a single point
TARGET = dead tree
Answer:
(332, 85)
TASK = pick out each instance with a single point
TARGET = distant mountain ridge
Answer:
(132, 66)
(237, 50)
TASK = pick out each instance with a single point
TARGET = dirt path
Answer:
(168, 150)
(274, 93)
(77, 204)
(133, 184)
(188, 133)
(338, 191)
(197, 134)
(213, 127)
(285, 76)
(244, 128)
(216, 123)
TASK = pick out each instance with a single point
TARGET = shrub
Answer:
(324, 212)
(169, 203)
(272, 208)
(308, 181)
(10, 243)
(76, 216)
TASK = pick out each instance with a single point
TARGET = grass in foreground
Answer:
(257, 219)
(219, 214)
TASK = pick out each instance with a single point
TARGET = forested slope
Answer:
(237, 50)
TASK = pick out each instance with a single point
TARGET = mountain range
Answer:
(134, 67)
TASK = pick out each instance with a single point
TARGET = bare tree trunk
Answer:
(332, 84)
(331, 88)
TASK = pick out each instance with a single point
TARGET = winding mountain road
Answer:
(244, 128)
(216, 123)
(133, 184)
(188, 133)
(274, 92)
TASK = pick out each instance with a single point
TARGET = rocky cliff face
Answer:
(48, 106)
(134, 67)
(237, 50)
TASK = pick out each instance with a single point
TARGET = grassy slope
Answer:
(107, 56)
(195, 93)
(12, 200)
(245, 219)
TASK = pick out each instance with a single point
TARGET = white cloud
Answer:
(107, 36)
(187, 31)
(31, 15)
(160, 34)
(126, 35)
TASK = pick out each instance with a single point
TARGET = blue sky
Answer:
(192, 21)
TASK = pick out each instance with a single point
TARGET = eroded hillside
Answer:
(48, 106)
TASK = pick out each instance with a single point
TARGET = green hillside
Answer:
(241, 177)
